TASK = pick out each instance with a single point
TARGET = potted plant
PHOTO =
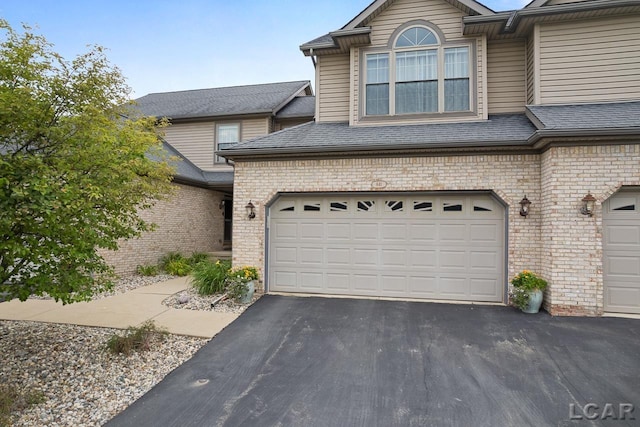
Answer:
(241, 283)
(527, 291)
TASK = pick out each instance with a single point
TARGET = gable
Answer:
(468, 7)
(443, 15)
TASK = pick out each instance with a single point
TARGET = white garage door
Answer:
(448, 247)
(622, 253)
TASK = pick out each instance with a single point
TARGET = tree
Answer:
(76, 166)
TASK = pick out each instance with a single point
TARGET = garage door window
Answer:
(420, 206)
(338, 206)
(366, 206)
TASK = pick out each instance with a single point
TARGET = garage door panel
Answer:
(285, 280)
(423, 233)
(367, 283)
(483, 289)
(486, 261)
(454, 287)
(339, 231)
(453, 233)
(286, 231)
(365, 232)
(423, 286)
(399, 246)
(453, 259)
(621, 248)
(393, 233)
(311, 256)
(423, 258)
(623, 265)
(312, 230)
(312, 281)
(365, 258)
(623, 235)
(338, 257)
(286, 255)
(394, 258)
(338, 282)
(394, 285)
(484, 233)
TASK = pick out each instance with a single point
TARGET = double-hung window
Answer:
(418, 76)
(225, 133)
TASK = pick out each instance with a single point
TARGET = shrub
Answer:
(244, 273)
(209, 278)
(178, 267)
(147, 270)
(138, 339)
(12, 399)
(198, 257)
(169, 258)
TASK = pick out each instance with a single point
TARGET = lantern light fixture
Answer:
(251, 213)
(524, 206)
(588, 204)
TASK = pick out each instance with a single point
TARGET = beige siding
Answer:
(253, 128)
(333, 88)
(507, 76)
(440, 13)
(530, 71)
(194, 140)
(590, 61)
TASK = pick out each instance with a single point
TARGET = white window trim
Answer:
(217, 159)
(391, 50)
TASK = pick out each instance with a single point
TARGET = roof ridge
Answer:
(302, 82)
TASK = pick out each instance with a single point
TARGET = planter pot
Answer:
(251, 288)
(535, 301)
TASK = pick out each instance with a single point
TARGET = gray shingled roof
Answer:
(302, 106)
(498, 130)
(588, 116)
(186, 171)
(225, 101)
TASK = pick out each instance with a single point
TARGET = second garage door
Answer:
(444, 246)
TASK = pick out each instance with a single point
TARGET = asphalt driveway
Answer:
(291, 361)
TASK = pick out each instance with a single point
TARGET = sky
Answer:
(168, 45)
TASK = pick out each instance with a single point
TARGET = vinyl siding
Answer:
(253, 128)
(440, 13)
(530, 71)
(506, 76)
(194, 141)
(333, 88)
(590, 61)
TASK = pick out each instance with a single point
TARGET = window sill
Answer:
(420, 118)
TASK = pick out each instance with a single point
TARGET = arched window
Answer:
(418, 75)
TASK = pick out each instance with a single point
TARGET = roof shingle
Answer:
(225, 101)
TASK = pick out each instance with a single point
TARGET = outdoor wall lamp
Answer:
(250, 210)
(524, 206)
(588, 203)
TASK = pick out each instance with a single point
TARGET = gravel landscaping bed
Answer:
(83, 384)
(189, 299)
(123, 285)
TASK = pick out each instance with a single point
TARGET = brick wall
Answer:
(509, 176)
(572, 242)
(555, 240)
(191, 220)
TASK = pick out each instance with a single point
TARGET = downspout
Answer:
(313, 59)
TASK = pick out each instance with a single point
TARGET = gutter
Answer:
(531, 143)
(512, 19)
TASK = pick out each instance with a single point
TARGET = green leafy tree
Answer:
(76, 167)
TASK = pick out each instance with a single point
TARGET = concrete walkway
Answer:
(123, 310)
